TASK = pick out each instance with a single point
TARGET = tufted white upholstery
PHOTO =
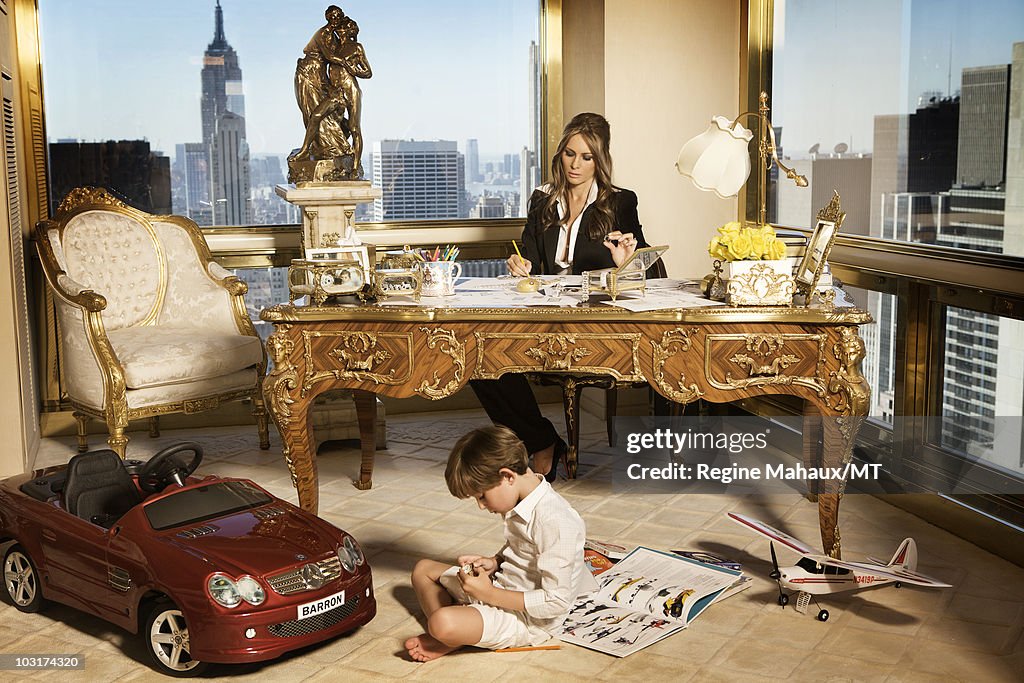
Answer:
(149, 323)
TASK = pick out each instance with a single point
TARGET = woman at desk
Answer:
(579, 221)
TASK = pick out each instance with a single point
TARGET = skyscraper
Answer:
(984, 105)
(230, 167)
(223, 112)
(473, 161)
(419, 179)
(193, 159)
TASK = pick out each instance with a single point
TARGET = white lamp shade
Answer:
(717, 159)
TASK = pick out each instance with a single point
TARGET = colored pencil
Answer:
(528, 649)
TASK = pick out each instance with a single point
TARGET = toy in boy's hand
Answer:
(469, 569)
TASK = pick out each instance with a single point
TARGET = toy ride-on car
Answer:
(207, 569)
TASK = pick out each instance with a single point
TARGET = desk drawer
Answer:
(380, 357)
(737, 361)
(606, 353)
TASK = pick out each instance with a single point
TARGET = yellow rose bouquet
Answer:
(738, 242)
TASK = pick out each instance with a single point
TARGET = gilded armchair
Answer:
(148, 323)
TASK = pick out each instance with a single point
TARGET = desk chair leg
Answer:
(154, 427)
(571, 390)
(82, 427)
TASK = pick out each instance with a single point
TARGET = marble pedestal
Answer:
(328, 209)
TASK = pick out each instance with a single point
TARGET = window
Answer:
(904, 108)
(189, 107)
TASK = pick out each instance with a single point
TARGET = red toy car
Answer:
(208, 570)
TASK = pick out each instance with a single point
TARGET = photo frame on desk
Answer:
(819, 246)
(363, 254)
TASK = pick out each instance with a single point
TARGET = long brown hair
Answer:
(594, 130)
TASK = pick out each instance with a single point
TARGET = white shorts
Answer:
(502, 628)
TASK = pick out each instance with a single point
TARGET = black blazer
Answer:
(540, 242)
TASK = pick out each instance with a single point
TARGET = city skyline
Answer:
(268, 42)
(910, 48)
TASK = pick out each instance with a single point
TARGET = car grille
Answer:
(301, 627)
(298, 580)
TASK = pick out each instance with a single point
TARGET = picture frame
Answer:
(363, 254)
(819, 246)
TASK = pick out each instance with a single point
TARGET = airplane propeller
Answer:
(777, 575)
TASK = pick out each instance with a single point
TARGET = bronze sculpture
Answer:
(330, 99)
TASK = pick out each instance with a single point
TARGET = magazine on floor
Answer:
(643, 598)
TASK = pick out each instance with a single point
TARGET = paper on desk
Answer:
(660, 299)
(483, 299)
(668, 283)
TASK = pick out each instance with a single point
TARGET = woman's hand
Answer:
(518, 266)
(621, 245)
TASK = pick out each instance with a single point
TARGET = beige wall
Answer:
(667, 66)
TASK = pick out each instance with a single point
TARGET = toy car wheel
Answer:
(823, 615)
(22, 580)
(167, 642)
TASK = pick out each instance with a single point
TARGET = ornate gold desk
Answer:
(720, 354)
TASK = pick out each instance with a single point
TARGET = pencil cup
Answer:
(439, 277)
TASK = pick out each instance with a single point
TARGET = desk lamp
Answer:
(717, 159)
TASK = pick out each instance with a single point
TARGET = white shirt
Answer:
(571, 232)
(543, 556)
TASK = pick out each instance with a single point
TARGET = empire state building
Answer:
(223, 112)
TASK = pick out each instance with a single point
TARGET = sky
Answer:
(823, 48)
(445, 69)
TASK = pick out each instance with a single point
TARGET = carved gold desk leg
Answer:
(290, 413)
(366, 411)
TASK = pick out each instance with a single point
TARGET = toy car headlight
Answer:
(347, 560)
(223, 590)
(250, 590)
(354, 550)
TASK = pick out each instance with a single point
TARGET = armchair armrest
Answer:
(79, 295)
(229, 280)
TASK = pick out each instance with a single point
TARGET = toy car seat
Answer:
(99, 488)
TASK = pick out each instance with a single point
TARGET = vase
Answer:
(758, 283)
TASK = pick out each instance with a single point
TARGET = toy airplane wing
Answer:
(771, 533)
(894, 573)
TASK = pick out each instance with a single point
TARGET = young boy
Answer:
(520, 596)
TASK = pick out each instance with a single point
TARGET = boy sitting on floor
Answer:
(522, 595)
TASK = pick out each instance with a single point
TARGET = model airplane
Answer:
(817, 574)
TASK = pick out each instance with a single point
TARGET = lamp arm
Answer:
(800, 180)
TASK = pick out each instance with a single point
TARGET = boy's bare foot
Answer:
(426, 647)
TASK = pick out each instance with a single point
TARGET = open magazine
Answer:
(647, 596)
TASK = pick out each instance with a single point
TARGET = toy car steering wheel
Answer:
(167, 467)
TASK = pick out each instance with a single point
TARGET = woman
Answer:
(579, 221)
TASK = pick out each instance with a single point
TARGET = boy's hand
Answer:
(484, 565)
(477, 586)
